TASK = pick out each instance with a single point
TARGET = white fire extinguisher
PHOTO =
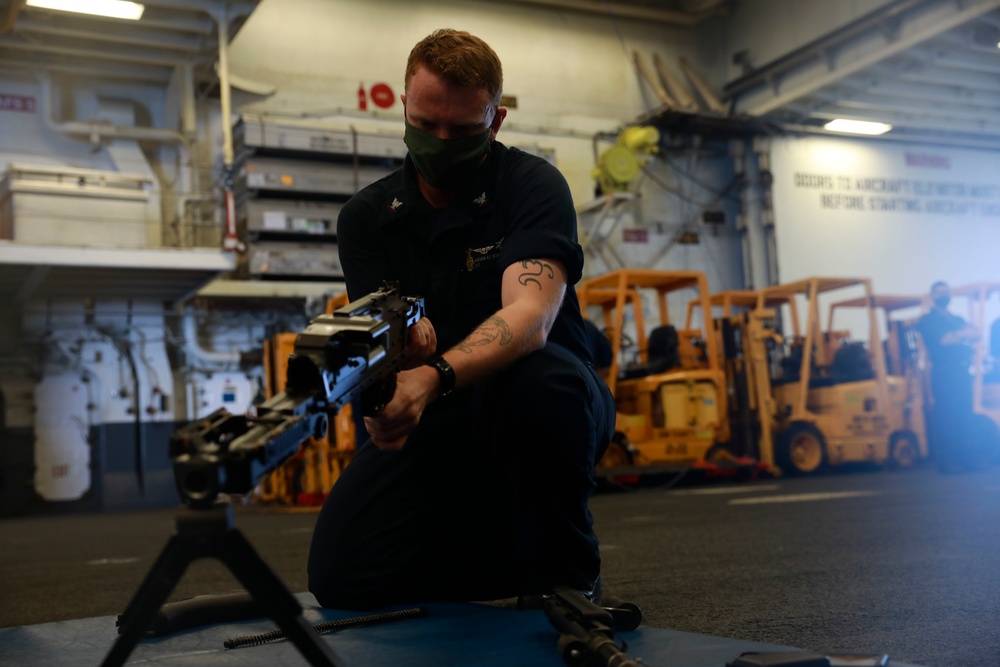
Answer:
(62, 453)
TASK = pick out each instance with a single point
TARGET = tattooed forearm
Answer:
(493, 329)
(533, 270)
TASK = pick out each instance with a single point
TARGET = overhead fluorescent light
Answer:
(116, 9)
(857, 126)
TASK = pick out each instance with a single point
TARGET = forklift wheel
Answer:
(904, 450)
(801, 450)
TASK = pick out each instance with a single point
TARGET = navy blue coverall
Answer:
(489, 497)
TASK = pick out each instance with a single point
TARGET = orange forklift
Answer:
(824, 395)
(308, 475)
(905, 370)
(672, 397)
(727, 304)
(744, 332)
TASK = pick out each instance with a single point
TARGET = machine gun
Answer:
(353, 353)
(587, 631)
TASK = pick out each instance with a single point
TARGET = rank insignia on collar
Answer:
(480, 200)
(394, 206)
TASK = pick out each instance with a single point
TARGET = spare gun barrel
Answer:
(586, 631)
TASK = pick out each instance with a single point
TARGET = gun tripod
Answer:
(212, 533)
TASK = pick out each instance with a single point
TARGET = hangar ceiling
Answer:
(170, 33)
(930, 68)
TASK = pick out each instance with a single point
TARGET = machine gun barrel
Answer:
(354, 352)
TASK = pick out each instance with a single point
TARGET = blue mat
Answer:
(455, 634)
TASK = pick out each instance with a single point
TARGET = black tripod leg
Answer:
(268, 590)
(211, 533)
(161, 580)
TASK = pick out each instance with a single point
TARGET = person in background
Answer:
(476, 480)
(995, 351)
(948, 340)
(600, 346)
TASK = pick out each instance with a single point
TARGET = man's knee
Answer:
(554, 403)
(547, 379)
(556, 381)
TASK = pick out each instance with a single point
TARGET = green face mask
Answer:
(445, 163)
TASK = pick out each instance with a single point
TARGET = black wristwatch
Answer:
(445, 372)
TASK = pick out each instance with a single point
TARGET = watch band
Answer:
(445, 372)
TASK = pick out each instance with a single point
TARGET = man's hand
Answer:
(421, 342)
(532, 291)
(415, 389)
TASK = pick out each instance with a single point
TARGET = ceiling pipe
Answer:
(225, 93)
(159, 77)
(97, 130)
(201, 353)
(230, 240)
(35, 27)
(10, 18)
(817, 48)
(707, 8)
(92, 53)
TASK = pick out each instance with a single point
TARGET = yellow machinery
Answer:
(902, 345)
(619, 166)
(905, 371)
(743, 333)
(671, 403)
(738, 390)
(831, 400)
(308, 476)
(724, 303)
(728, 304)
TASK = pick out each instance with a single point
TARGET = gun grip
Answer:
(375, 397)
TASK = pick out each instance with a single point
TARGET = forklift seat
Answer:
(851, 363)
(662, 353)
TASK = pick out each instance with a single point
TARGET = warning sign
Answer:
(382, 95)
(17, 103)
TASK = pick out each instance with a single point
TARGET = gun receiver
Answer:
(355, 352)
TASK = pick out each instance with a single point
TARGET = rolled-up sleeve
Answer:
(361, 249)
(543, 221)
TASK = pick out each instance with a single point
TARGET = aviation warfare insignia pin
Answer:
(476, 258)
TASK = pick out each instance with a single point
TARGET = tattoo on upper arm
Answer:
(493, 329)
(533, 270)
